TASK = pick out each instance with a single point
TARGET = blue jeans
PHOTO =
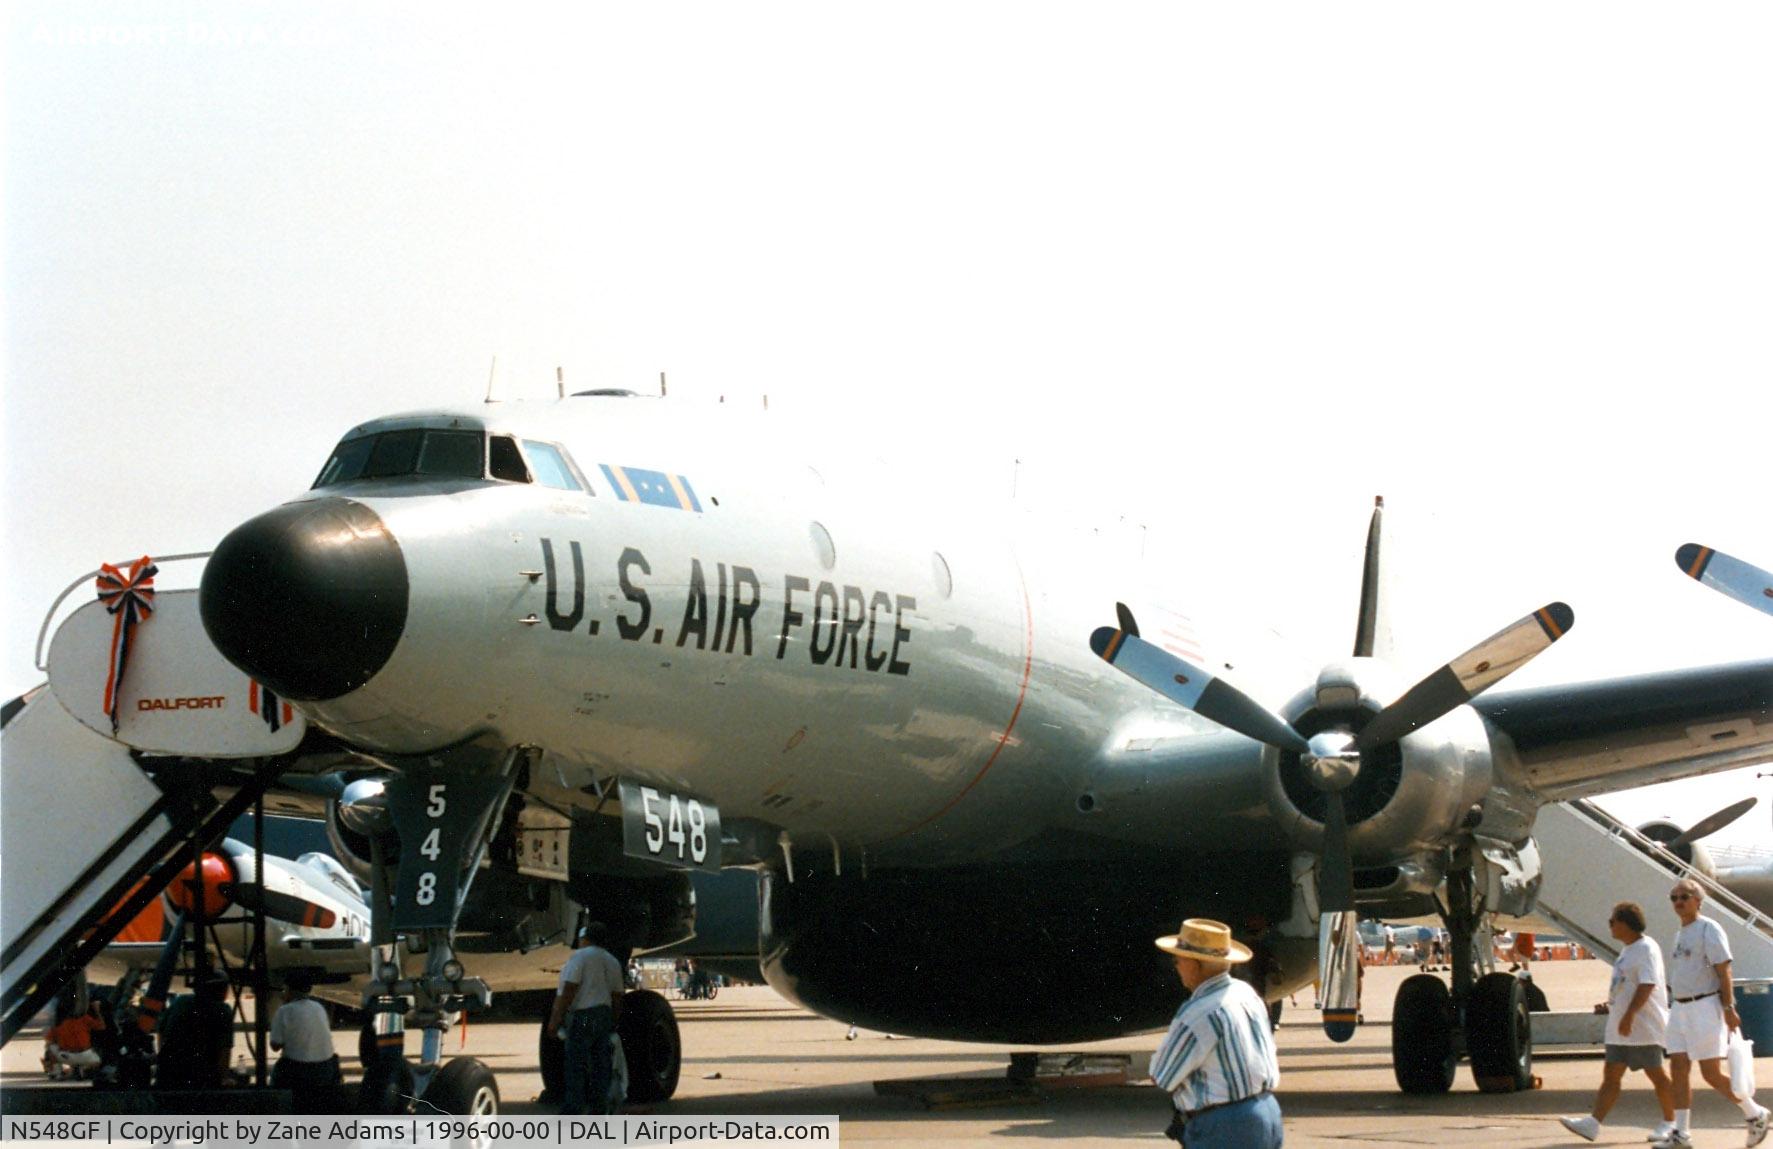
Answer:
(1252, 1124)
(588, 1060)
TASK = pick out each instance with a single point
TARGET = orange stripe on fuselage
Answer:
(1550, 624)
(622, 481)
(1699, 561)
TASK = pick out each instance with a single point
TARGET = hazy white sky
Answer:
(1226, 270)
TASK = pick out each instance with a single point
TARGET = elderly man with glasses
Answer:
(1701, 1015)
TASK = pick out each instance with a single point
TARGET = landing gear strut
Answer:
(441, 818)
(1484, 1016)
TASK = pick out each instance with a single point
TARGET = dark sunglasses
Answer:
(1679, 897)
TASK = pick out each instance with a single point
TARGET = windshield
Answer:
(419, 451)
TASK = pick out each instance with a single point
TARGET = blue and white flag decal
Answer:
(637, 485)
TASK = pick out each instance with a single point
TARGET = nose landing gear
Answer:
(443, 816)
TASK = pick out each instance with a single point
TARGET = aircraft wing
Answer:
(1591, 738)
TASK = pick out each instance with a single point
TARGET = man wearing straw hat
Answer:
(1217, 1062)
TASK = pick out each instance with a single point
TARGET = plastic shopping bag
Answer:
(1742, 1065)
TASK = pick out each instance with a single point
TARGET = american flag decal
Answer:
(129, 598)
(264, 702)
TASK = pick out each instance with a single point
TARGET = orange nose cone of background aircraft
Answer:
(183, 890)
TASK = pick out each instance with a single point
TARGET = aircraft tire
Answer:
(650, 1042)
(1424, 1056)
(551, 1055)
(464, 1087)
(1499, 1034)
(1536, 1002)
(387, 1086)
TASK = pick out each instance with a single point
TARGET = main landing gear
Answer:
(651, 1046)
(1484, 1016)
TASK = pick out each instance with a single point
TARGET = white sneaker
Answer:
(1661, 1131)
(1757, 1128)
(1586, 1128)
(1674, 1139)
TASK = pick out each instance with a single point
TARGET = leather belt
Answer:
(1700, 997)
(1193, 1113)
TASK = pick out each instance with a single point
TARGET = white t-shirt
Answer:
(302, 1029)
(1639, 964)
(1697, 949)
(597, 973)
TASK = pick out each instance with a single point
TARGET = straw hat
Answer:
(1207, 940)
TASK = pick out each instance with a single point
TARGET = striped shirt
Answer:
(1219, 1048)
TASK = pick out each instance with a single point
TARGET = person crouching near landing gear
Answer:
(302, 1033)
(1217, 1062)
(1702, 1016)
(1637, 1019)
(591, 993)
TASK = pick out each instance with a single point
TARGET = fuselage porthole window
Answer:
(504, 461)
(552, 467)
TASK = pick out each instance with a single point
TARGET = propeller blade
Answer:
(1127, 622)
(1366, 628)
(1188, 685)
(284, 907)
(1335, 875)
(1339, 972)
(1469, 675)
(1338, 944)
(1706, 827)
(1742, 581)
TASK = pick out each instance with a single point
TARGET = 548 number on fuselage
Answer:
(660, 826)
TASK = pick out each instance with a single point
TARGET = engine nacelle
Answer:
(1662, 832)
(1408, 796)
(350, 822)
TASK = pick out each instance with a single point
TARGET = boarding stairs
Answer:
(1593, 861)
(96, 822)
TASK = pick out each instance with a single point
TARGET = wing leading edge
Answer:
(1595, 737)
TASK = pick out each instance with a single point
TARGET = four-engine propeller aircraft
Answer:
(511, 624)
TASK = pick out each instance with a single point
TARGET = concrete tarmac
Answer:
(750, 1052)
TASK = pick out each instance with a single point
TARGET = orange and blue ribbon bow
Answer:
(129, 597)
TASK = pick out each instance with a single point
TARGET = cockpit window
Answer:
(420, 451)
(346, 462)
(551, 466)
(505, 461)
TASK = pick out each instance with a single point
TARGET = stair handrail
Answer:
(1716, 893)
(86, 580)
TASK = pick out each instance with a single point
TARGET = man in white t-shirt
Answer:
(588, 1005)
(302, 1033)
(1702, 1015)
(1637, 1018)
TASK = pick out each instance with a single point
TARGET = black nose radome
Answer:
(309, 599)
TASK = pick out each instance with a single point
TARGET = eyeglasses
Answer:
(1679, 897)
